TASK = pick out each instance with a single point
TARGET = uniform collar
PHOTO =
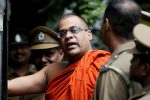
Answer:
(31, 70)
(145, 91)
(120, 49)
(124, 47)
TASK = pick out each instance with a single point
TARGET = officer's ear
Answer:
(61, 54)
(107, 24)
(144, 69)
(147, 68)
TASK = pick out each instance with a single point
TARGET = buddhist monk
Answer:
(72, 81)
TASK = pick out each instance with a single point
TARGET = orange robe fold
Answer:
(78, 80)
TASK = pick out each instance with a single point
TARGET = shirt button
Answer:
(116, 56)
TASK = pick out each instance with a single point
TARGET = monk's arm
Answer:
(34, 83)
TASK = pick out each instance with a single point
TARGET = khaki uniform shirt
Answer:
(110, 84)
(12, 75)
(143, 95)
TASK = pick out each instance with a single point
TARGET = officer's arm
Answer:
(34, 83)
(111, 86)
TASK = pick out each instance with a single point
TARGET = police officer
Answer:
(120, 17)
(45, 47)
(140, 64)
(19, 57)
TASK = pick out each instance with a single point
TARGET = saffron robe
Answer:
(77, 81)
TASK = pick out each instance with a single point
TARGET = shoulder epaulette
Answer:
(104, 69)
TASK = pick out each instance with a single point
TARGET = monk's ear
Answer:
(90, 34)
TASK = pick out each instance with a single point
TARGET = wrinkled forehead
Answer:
(70, 21)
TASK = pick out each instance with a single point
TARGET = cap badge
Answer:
(17, 38)
(41, 36)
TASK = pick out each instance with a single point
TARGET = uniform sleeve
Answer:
(110, 86)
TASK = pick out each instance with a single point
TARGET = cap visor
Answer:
(43, 46)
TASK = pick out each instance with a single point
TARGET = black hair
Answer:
(144, 58)
(123, 15)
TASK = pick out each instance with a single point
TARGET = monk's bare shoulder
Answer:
(55, 68)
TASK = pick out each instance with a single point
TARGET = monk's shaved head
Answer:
(72, 15)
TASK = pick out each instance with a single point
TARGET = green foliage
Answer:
(145, 6)
(91, 11)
